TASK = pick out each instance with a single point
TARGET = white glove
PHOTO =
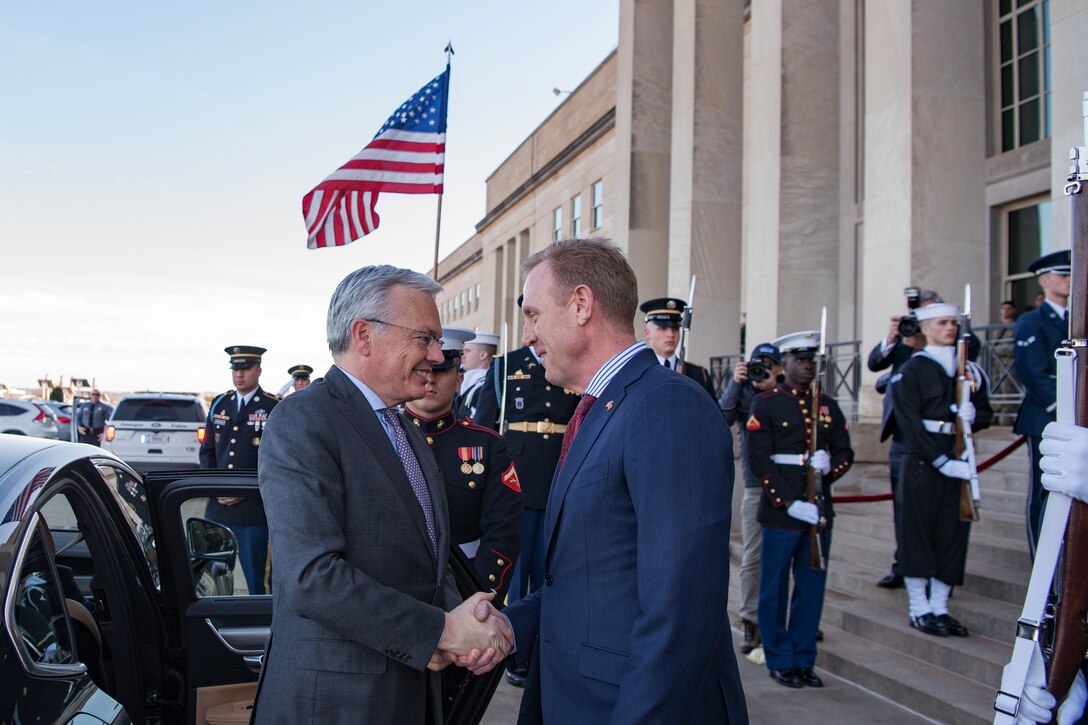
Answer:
(820, 461)
(804, 511)
(1065, 459)
(1035, 706)
(966, 413)
(955, 468)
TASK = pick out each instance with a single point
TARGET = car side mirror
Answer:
(209, 541)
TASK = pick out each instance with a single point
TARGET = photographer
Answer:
(904, 338)
(749, 379)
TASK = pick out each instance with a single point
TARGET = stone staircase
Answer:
(868, 639)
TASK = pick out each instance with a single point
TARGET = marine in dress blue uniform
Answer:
(232, 439)
(482, 485)
(1038, 334)
(662, 334)
(778, 431)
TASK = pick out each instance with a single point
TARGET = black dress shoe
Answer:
(751, 636)
(788, 678)
(892, 581)
(807, 677)
(819, 635)
(953, 626)
(517, 677)
(930, 624)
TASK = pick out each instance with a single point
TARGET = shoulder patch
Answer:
(753, 422)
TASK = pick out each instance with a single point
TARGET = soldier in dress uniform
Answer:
(481, 482)
(476, 360)
(778, 430)
(662, 333)
(1038, 334)
(536, 417)
(232, 438)
(931, 539)
(300, 376)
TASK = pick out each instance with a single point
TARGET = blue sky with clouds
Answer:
(165, 150)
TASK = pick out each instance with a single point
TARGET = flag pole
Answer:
(438, 217)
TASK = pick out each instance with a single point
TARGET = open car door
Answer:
(203, 521)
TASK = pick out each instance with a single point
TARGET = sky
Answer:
(153, 160)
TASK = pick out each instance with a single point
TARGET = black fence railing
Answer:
(843, 372)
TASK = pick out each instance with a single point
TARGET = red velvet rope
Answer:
(994, 460)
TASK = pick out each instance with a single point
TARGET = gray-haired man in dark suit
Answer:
(363, 613)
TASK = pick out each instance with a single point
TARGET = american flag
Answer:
(407, 156)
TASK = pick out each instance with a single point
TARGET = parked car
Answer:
(120, 598)
(154, 431)
(25, 418)
(63, 413)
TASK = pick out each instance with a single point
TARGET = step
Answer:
(920, 686)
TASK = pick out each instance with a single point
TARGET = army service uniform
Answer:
(483, 491)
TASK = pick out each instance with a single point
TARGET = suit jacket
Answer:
(1038, 334)
(880, 359)
(631, 624)
(358, 597)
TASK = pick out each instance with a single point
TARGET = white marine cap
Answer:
(485, 338)
(932, 312)
(454, 338)
(799, 344)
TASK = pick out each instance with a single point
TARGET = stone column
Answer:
(1068, 82)
(793, 195)
(705, 186)
(924, 161)
(643, 139)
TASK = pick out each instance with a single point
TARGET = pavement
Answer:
(838, 701)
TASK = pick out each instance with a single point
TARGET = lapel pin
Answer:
(608, 405)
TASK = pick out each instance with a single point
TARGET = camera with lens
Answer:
(758, 370)
(908, 324)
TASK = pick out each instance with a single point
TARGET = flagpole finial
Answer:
(449, 50)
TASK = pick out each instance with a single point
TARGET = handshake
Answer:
(476, 636)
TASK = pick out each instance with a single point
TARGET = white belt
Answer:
(470, 548)
(938, 426)
(789, 459)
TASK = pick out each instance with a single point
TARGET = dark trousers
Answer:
(896, 451)
(529, 569)
(789, 630)
(1036, 495)
(252, 553)
(932, 540)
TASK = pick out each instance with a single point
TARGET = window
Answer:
(40, 619)
(131, 499)
(1023, 93)
(557, 224)
(161, 410)
(598, 204)
(477, 294)
(1028, 236)
(228, 555)
(576, 216)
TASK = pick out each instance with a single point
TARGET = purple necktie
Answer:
(415, 473)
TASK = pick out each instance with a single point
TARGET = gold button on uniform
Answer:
(231, 453)
(500, 562)
(491, 577)
(546, 436)
(548, 405)
(547, 387)
(232, 440)
(472, 484)
(235, 427)
(230, 465)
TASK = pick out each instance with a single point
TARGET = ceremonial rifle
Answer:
(965, 439)
(1052, 633)
(685, 328)
(817, 554)
(500, 386)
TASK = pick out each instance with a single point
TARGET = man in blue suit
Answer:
(631, 623)
(1038, 334)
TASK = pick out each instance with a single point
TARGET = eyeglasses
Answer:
(423, 338)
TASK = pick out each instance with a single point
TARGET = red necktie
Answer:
(584, 405)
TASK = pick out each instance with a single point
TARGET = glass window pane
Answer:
(1028, 76)
(1030, 235)
(1008, 96)
(1006, 7)
(229, 553)
(1008, 129)
(1027, 31)
(131, 499)
(39, 615)
(1030, 126)
(1006, 41)
(1046, 21)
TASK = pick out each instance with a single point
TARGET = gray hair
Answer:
(363, 295)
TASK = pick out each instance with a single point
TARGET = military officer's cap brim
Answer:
(664, 311)
(300, 371)
(802, 344)
(244, 356)
(1057, 262)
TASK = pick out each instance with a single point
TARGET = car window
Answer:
(6, 409)
(40, 618)
(131, 499)
(228, 546)
(162, 410)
